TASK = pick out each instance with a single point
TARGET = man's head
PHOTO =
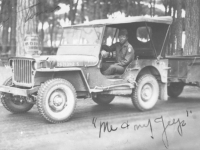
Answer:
(123, 36)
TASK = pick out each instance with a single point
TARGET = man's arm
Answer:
(108, 51)
(130, 54)
(109, 48)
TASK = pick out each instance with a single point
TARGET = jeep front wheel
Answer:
(56, 100)
(14, 104)
(175, 89)
(103, 99)
(145, 94)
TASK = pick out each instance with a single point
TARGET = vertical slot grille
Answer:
(22, 71)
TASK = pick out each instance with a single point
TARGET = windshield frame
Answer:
(85, 26)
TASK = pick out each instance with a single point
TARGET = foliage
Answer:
(80, 11)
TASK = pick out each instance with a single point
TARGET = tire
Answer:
(103, 99)
(175, 89)
(145, 95)
(56, 100)
(10, 105)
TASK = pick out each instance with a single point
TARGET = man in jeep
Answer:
(123, 52)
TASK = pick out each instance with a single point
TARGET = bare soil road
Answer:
(172, 124)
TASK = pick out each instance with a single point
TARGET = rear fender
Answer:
(161, 76)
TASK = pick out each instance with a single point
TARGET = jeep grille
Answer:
(22, 69)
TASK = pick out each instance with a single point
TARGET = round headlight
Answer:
(35, 66)
(11, 63)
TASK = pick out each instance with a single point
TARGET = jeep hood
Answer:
(69, 60)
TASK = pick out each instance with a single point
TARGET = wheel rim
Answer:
(146, 92)
(58, 100)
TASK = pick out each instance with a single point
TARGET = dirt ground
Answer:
(5, 73)
(30, 131)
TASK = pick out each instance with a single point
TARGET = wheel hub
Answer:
(147, 92)
(58, 100)
(18, 100)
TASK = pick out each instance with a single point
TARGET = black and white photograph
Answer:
(99, 74)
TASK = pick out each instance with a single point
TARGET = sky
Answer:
(65, 9)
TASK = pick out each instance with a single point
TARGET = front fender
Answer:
(74, 75)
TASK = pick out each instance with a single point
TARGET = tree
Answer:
(13, 27)
(5, 15)
(82, 14)
(179, 28)
(73, 10)
(191, 27)
(42, 18)
(26, 22)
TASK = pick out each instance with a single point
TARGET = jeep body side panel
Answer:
(184, 69)
(160, 68)
(96, 79)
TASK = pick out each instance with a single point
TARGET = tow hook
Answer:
(31, 99)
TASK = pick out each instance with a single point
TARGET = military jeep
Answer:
(54, 82)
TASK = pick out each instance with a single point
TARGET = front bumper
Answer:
(18, 91)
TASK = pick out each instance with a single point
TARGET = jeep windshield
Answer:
(81, 40)
(85, 35)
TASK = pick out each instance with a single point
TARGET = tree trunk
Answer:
(179, 28)
(170, 8)
(195, 27)
(129, 7)
(199, 29)
(154, 7)
(105, 10)
(139, 8)
(13, 27)
(187, 27)
(42, 19)
(173, 34)
(165, 3)
(26, 23)
(52, 29)
(191, 27)
(83, 11)
(90, 9)
(150, 7)
(73, 10)
(94, 10)
(5, 21)
(97, 10)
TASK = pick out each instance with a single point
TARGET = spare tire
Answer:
(175, 89)
(103, 99)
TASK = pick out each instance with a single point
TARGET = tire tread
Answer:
(40, 95)
(135, 93)
(7, 82)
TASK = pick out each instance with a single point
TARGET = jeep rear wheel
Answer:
(56, 100)
(14, 104)
(145, 94)
(103, 99)
(175, 89)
